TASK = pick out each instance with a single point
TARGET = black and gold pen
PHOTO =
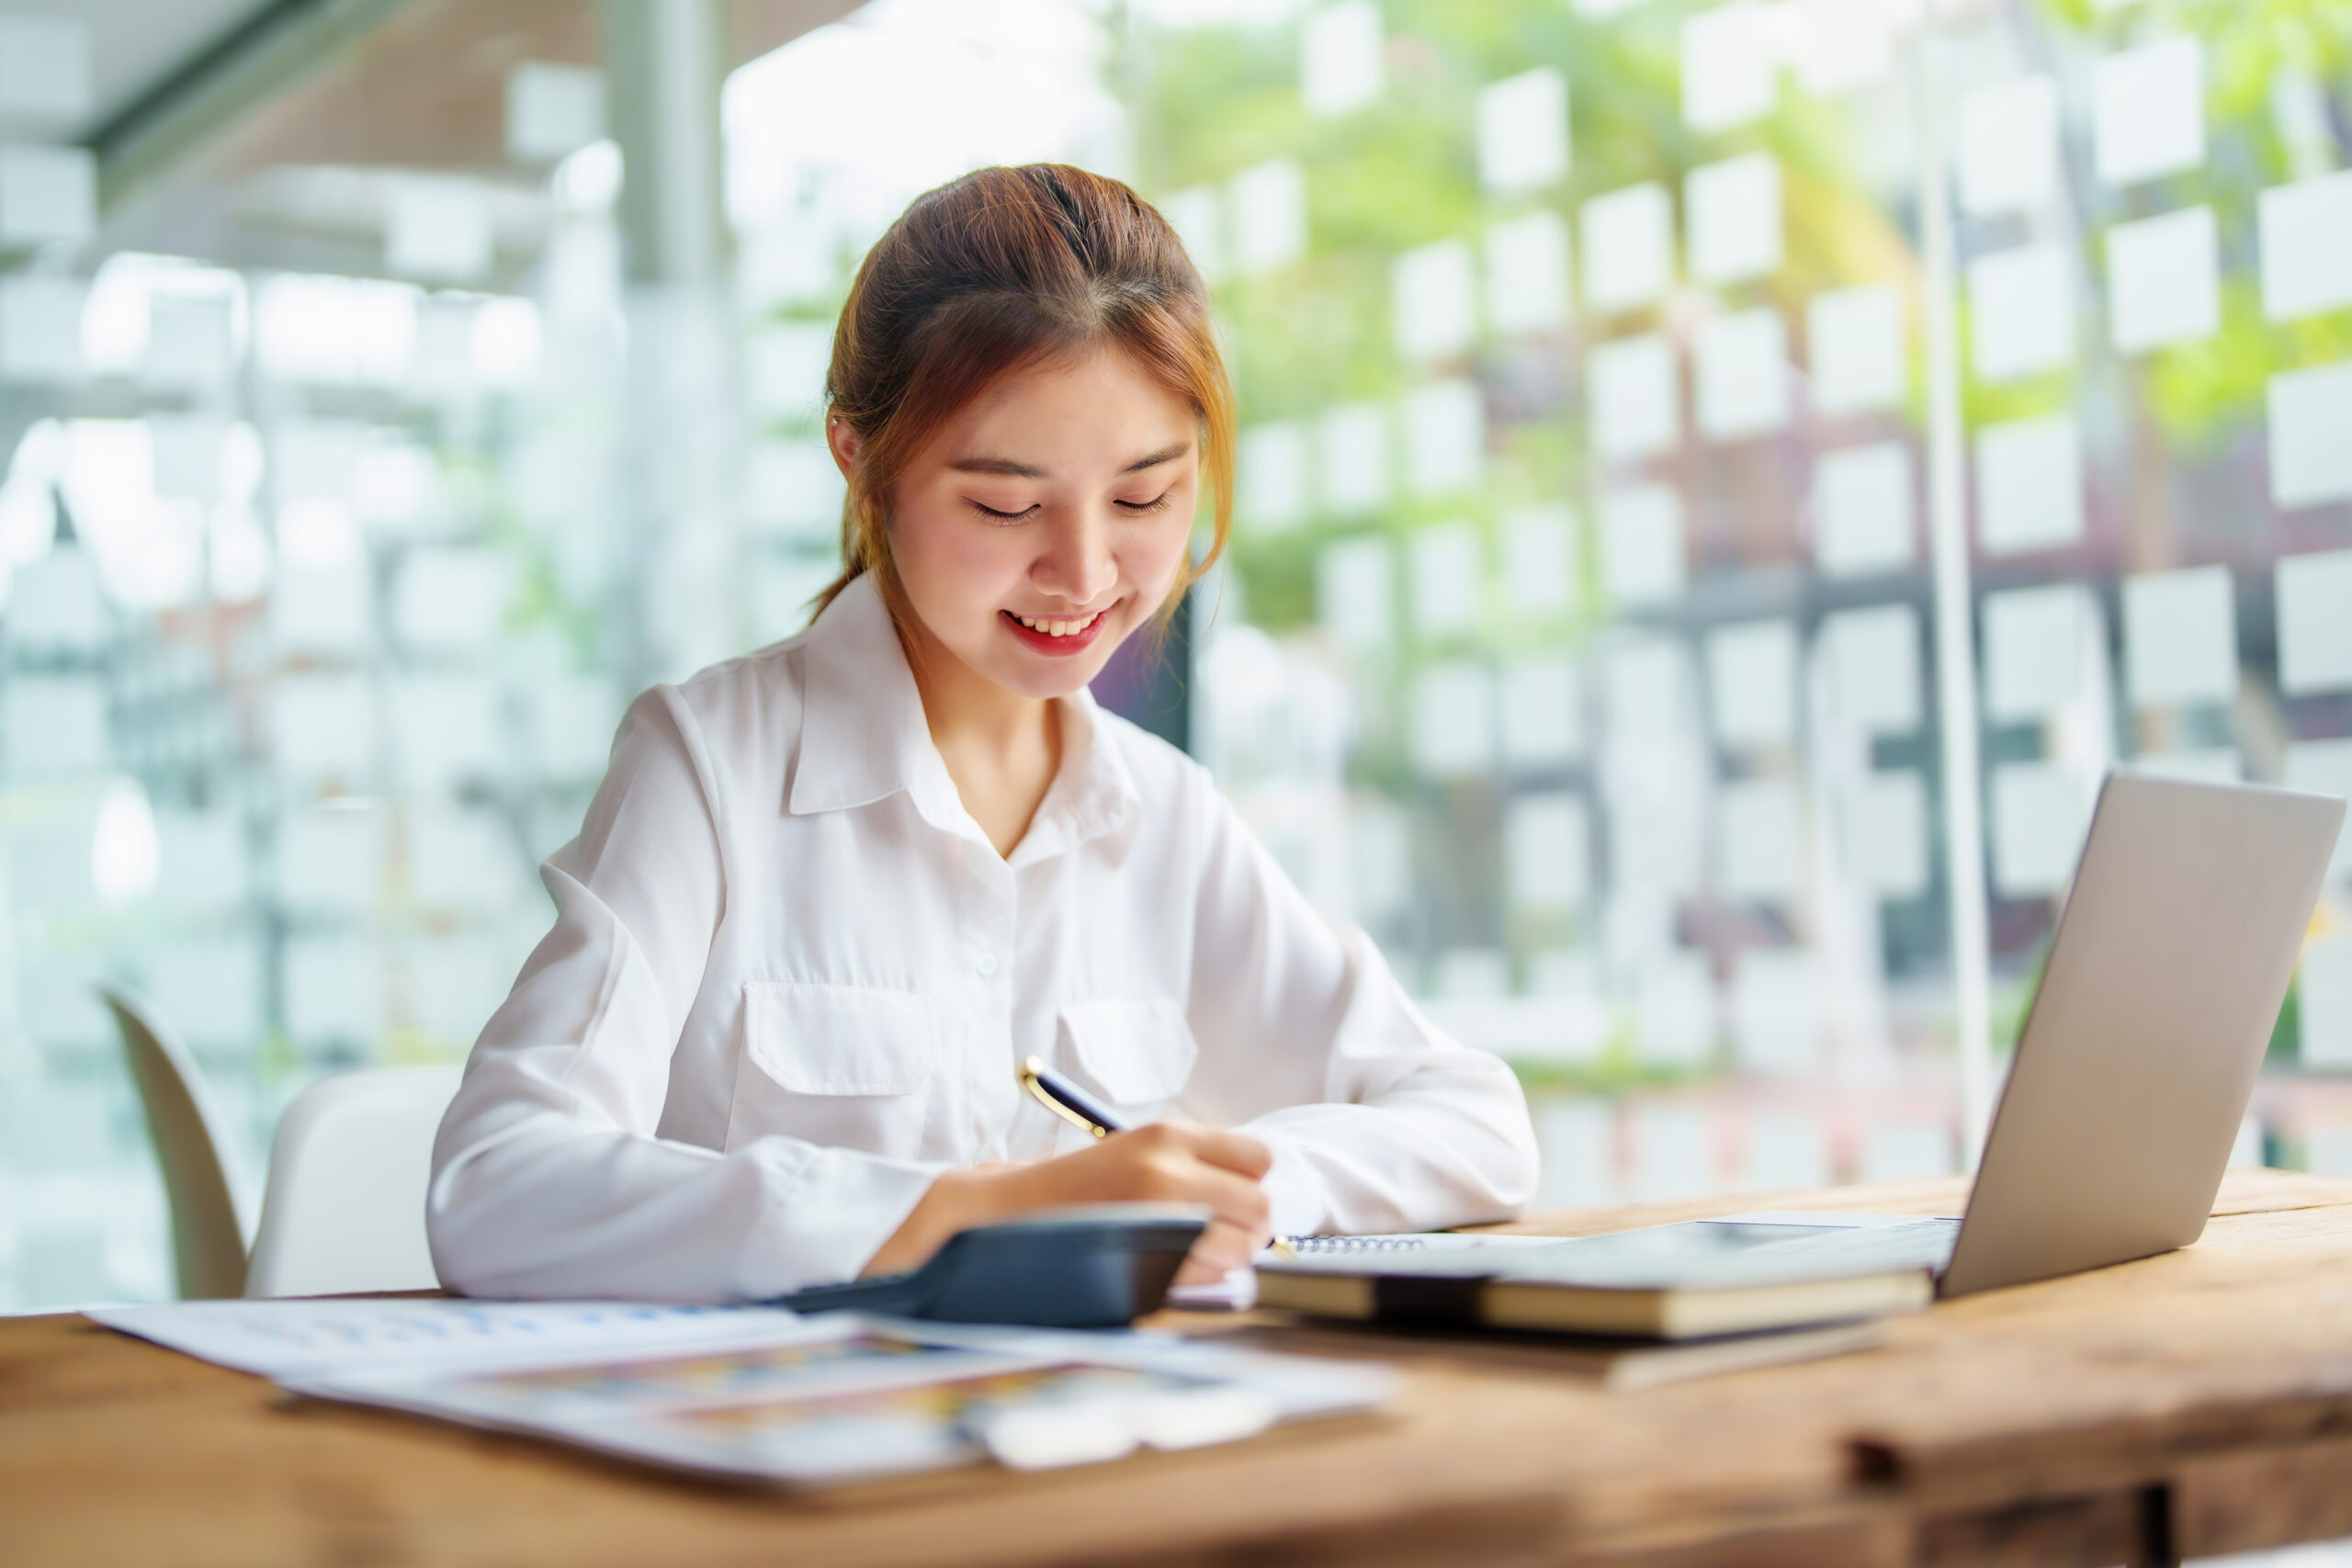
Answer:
(1066, 1101)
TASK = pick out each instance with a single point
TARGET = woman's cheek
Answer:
(1163, 556)
(961, 564)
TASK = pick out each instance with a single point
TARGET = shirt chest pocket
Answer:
(1136, 1055)
(849, 1066)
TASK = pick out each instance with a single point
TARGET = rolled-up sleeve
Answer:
(1378, 1120)
(548, 1177)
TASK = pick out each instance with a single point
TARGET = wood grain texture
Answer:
(113, 1450)
(1849, 1536)
(2048, 1532)
(2255, 1499)
(2112, 1377)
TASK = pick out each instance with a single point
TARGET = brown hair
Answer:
(992, 273)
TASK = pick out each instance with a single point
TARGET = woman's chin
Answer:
(1059, 679)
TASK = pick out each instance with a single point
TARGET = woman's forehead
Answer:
(1097, 411)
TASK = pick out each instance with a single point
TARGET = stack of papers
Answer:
(762, 1394)
(294, 1338)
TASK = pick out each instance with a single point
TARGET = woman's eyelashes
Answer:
(1131, 508)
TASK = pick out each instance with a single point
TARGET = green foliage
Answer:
(2200, 394)
(2286, 1047)
(538, 601)
(2198, 391)
(1618, 1070)
(1401, 173)
(1281, 574)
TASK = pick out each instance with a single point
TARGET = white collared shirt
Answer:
(790, 979)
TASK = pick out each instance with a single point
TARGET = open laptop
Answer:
(2137, 1059)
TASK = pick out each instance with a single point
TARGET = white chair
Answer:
(191, 1148)
(344, 1209)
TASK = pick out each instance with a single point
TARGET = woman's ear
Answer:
(845, 445)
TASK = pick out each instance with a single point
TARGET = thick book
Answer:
(1628, 1364)
(1644, 1288)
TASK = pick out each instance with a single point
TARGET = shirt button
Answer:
(985, 964)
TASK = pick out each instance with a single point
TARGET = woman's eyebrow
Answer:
(1013, 468)
(1153, 460)
(1007, 468)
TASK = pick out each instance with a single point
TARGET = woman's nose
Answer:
(1076, 563)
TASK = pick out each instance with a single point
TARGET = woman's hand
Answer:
(1168, 1162)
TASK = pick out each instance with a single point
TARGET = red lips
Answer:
(1057, 647)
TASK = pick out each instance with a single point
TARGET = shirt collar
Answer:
(1094, 793)
(862, 737)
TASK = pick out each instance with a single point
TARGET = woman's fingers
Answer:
(1176, 1160)
(1164, 1163)
(1216, 1252)
(1192, 1271)
(1225, 1245)
(1235, 1200)
(1235, 1151)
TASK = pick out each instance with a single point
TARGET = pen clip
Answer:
(1031, 1079)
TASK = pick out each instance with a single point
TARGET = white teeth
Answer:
(1058, 628)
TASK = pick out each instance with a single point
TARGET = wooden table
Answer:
(2184, 1405)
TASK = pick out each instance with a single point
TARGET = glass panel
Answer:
(1580, 638)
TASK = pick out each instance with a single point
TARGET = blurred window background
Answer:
(1720, 484)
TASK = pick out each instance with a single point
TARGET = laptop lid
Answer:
(2140, 1051)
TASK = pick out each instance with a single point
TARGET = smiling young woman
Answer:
(831, 893)
(1044, 524)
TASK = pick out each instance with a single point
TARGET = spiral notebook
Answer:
(1238, 1292)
